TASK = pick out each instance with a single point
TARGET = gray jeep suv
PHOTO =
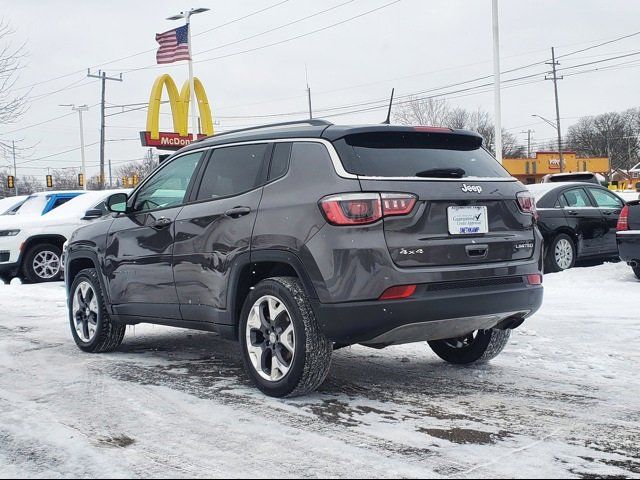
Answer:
(296, 239)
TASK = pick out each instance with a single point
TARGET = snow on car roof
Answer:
(8, 203)
(76, 207)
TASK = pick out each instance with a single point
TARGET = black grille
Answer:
(4, 256)
(483, 282)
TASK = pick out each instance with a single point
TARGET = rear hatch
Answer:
(467, 210)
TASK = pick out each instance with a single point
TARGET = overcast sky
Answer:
(412, 45)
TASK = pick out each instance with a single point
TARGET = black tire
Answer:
(29, 273)
(636, 270)
(108, 335)
(551, 262)
(479, 347)
(312, 358)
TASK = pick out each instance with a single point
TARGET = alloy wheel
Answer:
(564, 253)
(85, 311)
(46, 265)
(270, 338)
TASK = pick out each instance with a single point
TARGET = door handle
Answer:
(237, 212)
(573, 212)
(162, 222)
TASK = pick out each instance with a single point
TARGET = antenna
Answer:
(388, 120)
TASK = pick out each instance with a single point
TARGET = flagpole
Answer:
(192, 102)
(192, 92)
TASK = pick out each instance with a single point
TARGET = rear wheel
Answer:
(284, 351)
(561, 254)
(636, 270)
(476, 347)
(42, 263)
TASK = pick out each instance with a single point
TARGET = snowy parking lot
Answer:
(562, 400)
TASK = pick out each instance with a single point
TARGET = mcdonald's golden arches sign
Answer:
(179, 102)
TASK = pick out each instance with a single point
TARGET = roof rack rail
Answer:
(314, 122)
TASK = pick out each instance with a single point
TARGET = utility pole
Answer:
(496, 81)
(15, 168)
(555, 79)
(110, 177)
(529, 132)
(103, 76)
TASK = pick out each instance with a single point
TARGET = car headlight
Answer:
(9, 233)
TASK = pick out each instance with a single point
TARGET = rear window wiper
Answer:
(442, 173)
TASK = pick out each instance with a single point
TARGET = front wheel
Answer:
(91, 326)
(476, 347)
(561, 254)
(42, 264)
(636, 270)
(284, 351)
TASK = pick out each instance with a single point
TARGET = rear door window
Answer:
(577, 198)
(234, 170)
(417, 154)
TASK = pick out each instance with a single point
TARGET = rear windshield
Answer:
(421, 154)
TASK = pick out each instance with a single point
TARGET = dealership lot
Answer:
(560, 401)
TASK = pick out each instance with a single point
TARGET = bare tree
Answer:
(140, 168)
(434, 112)
(12, 105)
(422, 111)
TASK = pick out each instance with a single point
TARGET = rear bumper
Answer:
(629, 245)
(429, 314)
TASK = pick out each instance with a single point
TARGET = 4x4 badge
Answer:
(471, 188)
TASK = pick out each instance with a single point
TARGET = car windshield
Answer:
(417, 154)
(33, 205)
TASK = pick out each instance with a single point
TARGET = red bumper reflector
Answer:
(396, 293)
(534, 279)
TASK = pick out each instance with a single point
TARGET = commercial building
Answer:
(531, 170)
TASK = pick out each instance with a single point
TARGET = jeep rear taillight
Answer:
(398, 292)
(365, 208)
(527, 203)
(623, 219)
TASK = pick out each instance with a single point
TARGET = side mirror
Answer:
(117, 203)
(92, 214)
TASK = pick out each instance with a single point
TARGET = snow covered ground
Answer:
(563, 400)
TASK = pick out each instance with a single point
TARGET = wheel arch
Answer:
(80, 260)
(54, 239)
(251, 269)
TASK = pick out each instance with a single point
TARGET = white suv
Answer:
(31, 242)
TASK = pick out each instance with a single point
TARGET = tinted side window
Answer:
(167, 188)
(60, 201)
(280, 160)
(577, 198)
(605, 199)
(233, 170)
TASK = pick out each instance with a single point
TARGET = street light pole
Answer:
(80, 109)
(187, 17)
(15, 168)
(496, 80)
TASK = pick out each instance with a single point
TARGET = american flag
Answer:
(174, 45)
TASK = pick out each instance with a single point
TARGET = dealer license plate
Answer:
(467, 220)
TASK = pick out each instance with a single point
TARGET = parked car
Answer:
(42, 203)
(585, 177)
(299, 238)
(31, 245)
(628, 236)
(578, 221)
(9, 203)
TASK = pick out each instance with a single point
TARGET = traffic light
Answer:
(49, 181)
(125, 181)
(11, 182)
(135, 180)
(81, 180)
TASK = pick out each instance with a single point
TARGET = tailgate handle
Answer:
(477, 251)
